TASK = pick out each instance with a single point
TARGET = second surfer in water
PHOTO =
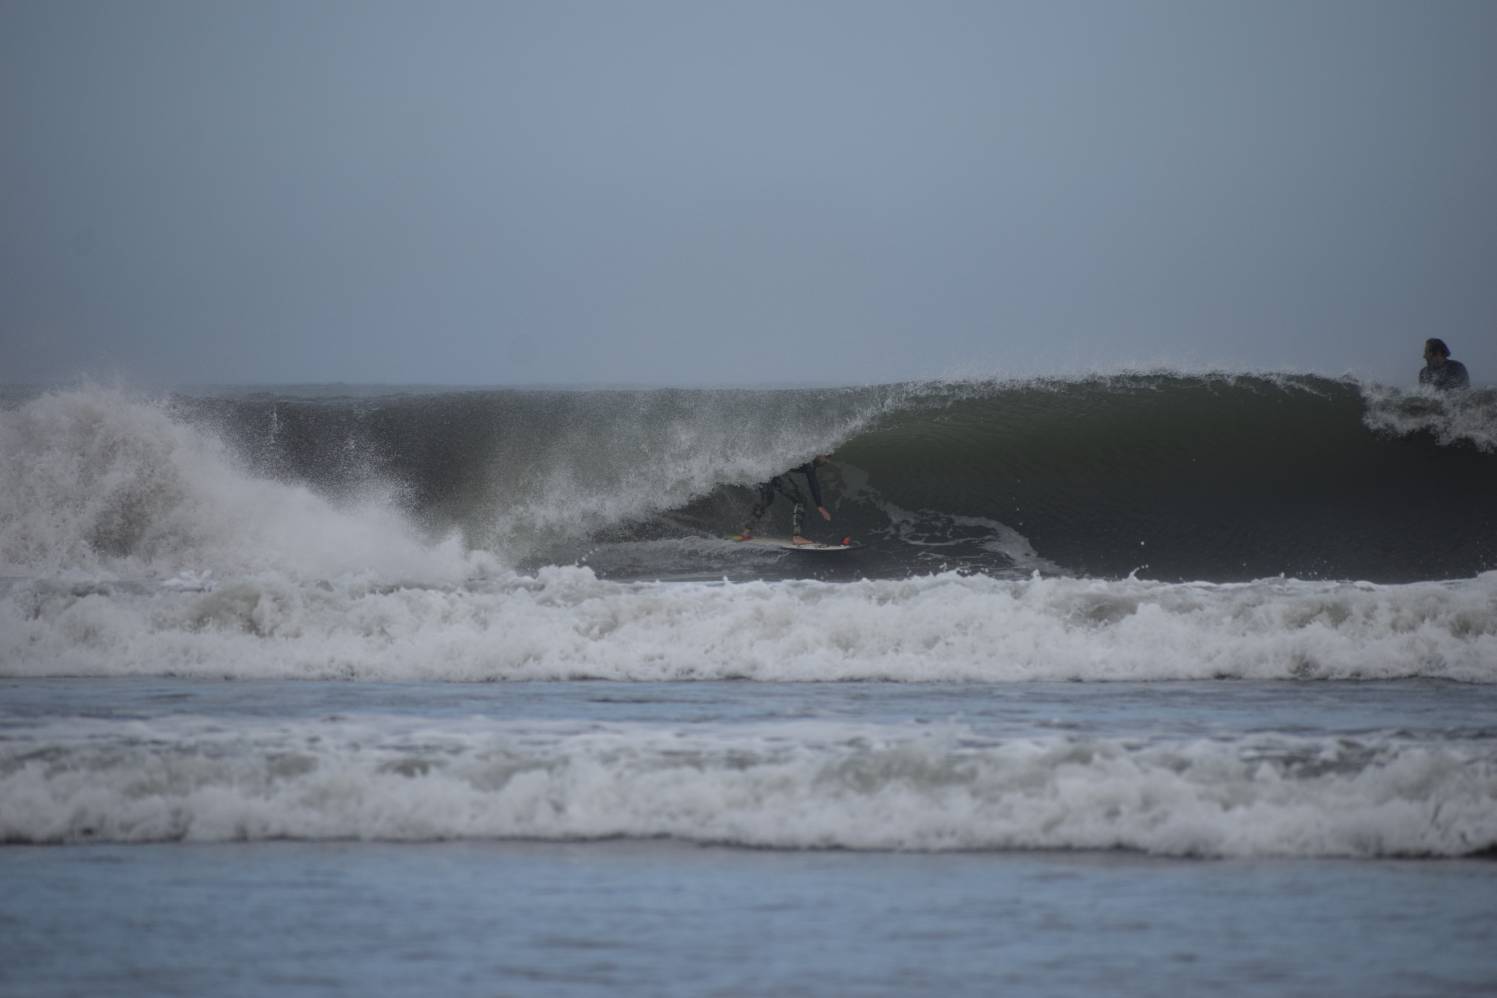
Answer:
(786, 486)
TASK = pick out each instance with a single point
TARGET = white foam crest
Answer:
(98, 483)
(1127, 377)
(566, 623)
(1450, 417)
(791, 785)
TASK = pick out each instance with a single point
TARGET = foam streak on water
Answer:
(568, 624)
(807, 784)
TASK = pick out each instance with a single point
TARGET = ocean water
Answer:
(1137, 683)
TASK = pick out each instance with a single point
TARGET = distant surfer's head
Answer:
(1435, 347)
(823, 458)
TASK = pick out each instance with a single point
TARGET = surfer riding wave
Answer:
(785, 485)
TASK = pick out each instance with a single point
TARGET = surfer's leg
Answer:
(797, 504)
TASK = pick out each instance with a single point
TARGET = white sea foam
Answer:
(566, 623)
(1466, 417)
(786, 785)
(98, 484)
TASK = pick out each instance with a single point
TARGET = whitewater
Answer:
(206, 537)
(1133, 619)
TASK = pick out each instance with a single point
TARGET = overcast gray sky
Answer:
(709, 192)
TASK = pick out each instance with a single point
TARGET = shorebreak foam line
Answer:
(565, 623)
(787, 785)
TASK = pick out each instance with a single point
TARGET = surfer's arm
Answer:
(810, 472)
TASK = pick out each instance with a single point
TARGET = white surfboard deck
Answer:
(785, 544)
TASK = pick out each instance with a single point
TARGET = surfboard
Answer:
(785, 544)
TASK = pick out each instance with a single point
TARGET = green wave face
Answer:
(1169, 476)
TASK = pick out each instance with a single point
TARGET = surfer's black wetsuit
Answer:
(1451, 374)
(785, 486)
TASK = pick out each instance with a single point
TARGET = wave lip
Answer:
(791, 785)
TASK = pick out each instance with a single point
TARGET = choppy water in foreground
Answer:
(297, 837)
(1369, 770)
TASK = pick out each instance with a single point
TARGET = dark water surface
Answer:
(660, 918)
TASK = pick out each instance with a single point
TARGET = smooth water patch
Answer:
(1427, 708)
(664, 919)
